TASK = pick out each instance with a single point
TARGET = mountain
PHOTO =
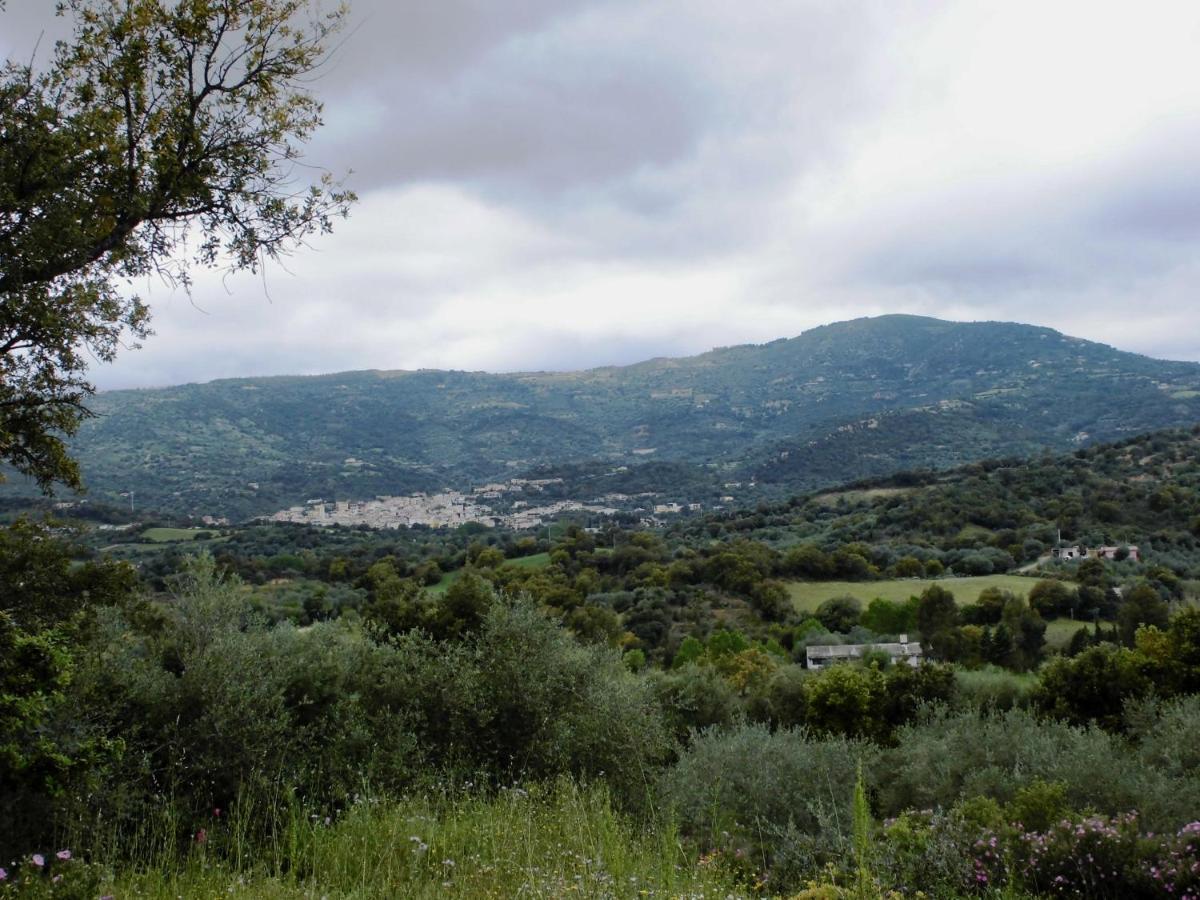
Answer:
(848, 400)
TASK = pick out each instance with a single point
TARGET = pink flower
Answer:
(201, 836)
(63, 854)
(38, 860)
(3, 874)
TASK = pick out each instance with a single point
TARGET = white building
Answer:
(822, 655)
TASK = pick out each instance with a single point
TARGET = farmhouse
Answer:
(822, 655)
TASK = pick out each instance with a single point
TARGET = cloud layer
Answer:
(570, 183)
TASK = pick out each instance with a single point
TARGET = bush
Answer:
(783, 797)
(952, 756)
(535, 704)
(926, 851)
(695, 697)
(329, 709)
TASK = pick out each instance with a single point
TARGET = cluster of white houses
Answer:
(1110, 553)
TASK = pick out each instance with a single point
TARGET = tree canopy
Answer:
(159, 137)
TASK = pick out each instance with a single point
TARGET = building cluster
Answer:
(1109, 553)
(445, 508)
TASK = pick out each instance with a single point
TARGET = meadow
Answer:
(550, 840)
(536, 561)
(806, 596)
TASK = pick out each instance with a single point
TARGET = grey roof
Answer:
(847, 651)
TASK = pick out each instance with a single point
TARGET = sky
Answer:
(558, 185)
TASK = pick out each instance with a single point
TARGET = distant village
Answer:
(517, 498)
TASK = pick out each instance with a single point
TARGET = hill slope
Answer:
(853, 399)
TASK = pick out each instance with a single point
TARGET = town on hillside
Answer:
(512, 504)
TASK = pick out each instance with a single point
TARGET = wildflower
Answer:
(201, 836)
(38, 860)
(3, 874)
(63, 854)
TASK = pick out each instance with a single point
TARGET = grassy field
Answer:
(1060, 631)
(536, 561)
(549, 842)
(808, 595)
(173, 535)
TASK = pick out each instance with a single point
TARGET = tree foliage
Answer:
(160, 136)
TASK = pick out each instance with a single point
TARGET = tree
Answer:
(840, 614)
(1143, 606)
(937, 620)
(1051, 598)
(1094, 686)
(160, 136)
(48, 602)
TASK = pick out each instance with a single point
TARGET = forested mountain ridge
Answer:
(1140, 491)
(853, 399)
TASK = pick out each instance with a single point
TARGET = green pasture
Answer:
(536, 561)
(174, 535)
(1060, 631)
(808, 595)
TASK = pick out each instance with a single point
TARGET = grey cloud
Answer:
(596, 95)
(520, 149)
(1152, 193)
(1101, 229)
(515, 126)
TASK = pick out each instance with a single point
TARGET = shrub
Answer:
(957, 755)
(926, 851)
(329, 709)
(783, 796)
(694, 697)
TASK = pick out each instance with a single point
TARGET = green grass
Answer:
(172, 535)
(808, 595)
(555, 841)
(1060, 631)
(536, 561)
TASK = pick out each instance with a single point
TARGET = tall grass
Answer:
(558, 840)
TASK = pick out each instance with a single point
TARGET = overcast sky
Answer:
(550, 185)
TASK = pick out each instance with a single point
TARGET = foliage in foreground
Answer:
(553, 840)
(782, 800)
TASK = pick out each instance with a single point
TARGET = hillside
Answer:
(854, 399)
(995, 515)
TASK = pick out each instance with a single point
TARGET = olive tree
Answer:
(164, 134)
